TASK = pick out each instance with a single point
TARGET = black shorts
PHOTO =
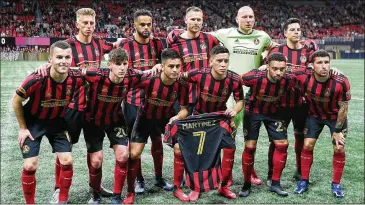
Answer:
(94, 136)
(74, 120)
(275, 125)
(130, 115)
(56, 132)
(314, 127)
(297, 114)
(147, 127)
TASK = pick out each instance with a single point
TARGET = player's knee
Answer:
(251, 143)
(122, 155)
(30, 165)
(134, 154)
(340, 148)
(281, 142)
(177, 149)
(96, 160)
(66, 159)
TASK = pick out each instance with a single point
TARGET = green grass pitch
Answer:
(13, 73)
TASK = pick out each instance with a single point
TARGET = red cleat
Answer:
(194, 195)
(255, 180)
(224, 191)
(129, 198)
(178, 193)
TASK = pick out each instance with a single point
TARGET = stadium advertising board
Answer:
(7, 41)
(21, 41)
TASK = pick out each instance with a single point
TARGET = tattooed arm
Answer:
(338, 136)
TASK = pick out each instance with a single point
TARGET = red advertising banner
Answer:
(34, 41)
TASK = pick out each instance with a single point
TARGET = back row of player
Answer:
(193, 46)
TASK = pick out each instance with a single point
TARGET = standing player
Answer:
(328, 96)
(262, 105)
(216, 84)
(161, 91)
(245, 44)
(43, 115)
(145, 52)
(298, 56)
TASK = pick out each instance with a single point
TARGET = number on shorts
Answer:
(200, 134)
(279, 127)
(120, 132)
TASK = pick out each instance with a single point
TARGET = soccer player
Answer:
(145, 52)
(161, 91)
(262, 105)
(328, 96)
(43, 114)
(298, 55)
(216, 84)
(108, 88)
(246, 46)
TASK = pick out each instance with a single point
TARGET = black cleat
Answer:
(278, 189)
(245, 191)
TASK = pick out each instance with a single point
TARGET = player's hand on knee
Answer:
(339, 139)
(23, 135)
(42, 69)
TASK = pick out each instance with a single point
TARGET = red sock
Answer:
(298, 147)
(95, 178)
(157, 154)
(178, 169)
(133, 165)
(57, 170)
(306, 162)
(270, 156)
(65, 182)
(29, 183)
(248, 160)
(227, 165)
(139, 170)
(120, 173)
(338, 163)
(279, 160)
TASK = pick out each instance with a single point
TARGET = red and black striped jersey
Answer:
(201, 137)
(160, 98)
(324, 97)
(49, 99)
(296, 59)
(195, 53)
(87, 55)
(141, 57)
(104, 107)
(214, 93)
(264, 96)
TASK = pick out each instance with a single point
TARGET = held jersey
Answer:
(245, 49)
(201, 138)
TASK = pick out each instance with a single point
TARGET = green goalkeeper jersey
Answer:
(245, 49)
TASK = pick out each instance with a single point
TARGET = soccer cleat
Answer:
(337, 190)
(255, 180)
(245, 190)
(301, 187)
(224, 191)
(95, 199)
(104, 191)
(139, 187)
(129, 198)
(178, 193)
(278, 189)
(55, 196)
(296, 175)
(194, 195)
(161, 182)
(268, 181)
(116, 199)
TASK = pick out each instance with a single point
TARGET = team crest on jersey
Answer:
(203, 46)
(97, 52)
(303, 59)
(105, 89)
(256, 41)
(327, 93)
(80, 55)
(68, 91)
(125, 90)
(281, 91)
(48, 95)
(174, 95)
(25, 149)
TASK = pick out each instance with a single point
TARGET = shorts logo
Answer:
(68, 136)
(256, 41)
(245, 132)
(25, 149)
(303, 59)
(305, 131)
(203, 46)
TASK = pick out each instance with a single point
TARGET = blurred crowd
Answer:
(56, 18)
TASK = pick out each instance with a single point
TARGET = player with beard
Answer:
(144, 53)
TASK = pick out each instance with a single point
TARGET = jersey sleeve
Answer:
(238, 90)
(29, 86)
(92, 75)
(269, 43)
(135, 76)
(345, 92)
(106, 46)
(220, 35)
(249, 78)
(184, 95)
(192, 76)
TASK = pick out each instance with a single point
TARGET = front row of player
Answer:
(197, 139)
